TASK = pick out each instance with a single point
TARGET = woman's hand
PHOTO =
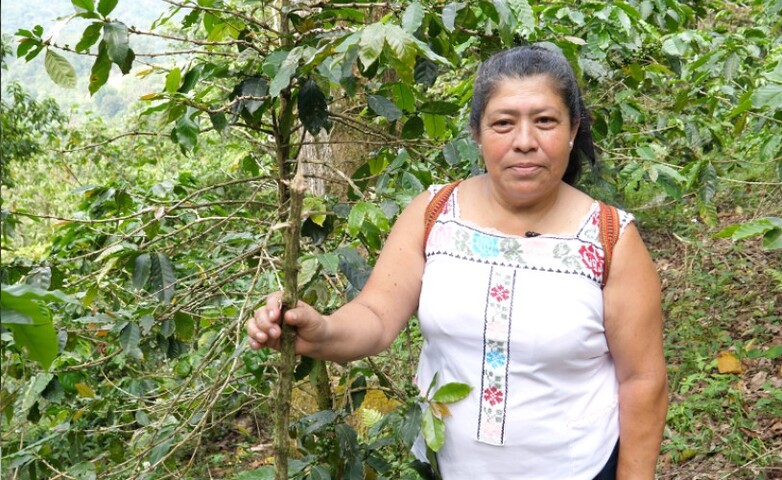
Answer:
(264, 327)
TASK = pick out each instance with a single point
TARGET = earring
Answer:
(571, 144)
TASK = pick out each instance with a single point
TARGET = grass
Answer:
(719, 297)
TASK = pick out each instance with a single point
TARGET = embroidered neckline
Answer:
(457, 216)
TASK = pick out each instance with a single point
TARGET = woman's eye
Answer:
(547, 120)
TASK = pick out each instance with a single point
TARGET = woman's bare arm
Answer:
(633, 323)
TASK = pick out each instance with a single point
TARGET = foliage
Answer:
(166, 252)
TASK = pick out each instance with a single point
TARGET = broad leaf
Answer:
(115, 34)
(185, 132)
(449, 15)
(371, 43)
(100, 69)
(433, 430)
(105, 7)
(89, 37)
(172, 80)
(768, 96)
(425, 72)
(383, 106)
(451, 392)
(162, 277)
(313, 109)
(412, 18)
(141, 269)
(83, 5)
(130, 336)
(59, 69)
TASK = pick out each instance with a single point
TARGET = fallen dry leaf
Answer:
(728, 363)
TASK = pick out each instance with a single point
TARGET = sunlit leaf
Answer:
(89, 37)
(115, 34)
(451, 392)
(412, 17)
(449, 15)
(83, 5)
(172, 80)
(105, 7)
(100, 69)
(59, 69)
(433, 430)
(84, 390)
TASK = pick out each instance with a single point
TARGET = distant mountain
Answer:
(118, 93)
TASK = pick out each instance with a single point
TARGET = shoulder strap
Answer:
(436, 206)
(609, 235)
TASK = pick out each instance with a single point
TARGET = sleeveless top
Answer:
(521, 321)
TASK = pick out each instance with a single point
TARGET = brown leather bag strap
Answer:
(436, 206)
(609, 234)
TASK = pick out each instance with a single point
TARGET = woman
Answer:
(508, 291)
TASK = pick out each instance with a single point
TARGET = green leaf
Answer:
(83, 6)
(425, 72)
(115, 34)
(220, 123)
(59, 69)
(439, 108)
(263, 473)
(371, 43)
(412, 18)
(100, 69)
(281, 80)
(162, 277)
(172, 80)
(524, 13)
(89, 37)
(449, 15)
(383, 106)
(25, 293)
(255, 87)
(313, 109)
(451, 392)
(141, 269)
(753, 228)
(356, 218)
(32, 392)
(105, 7)
(39, 339)
(433, 430)
(772, 240)
(434, 125)
(130, 336)
(768, 96)
(185, 132)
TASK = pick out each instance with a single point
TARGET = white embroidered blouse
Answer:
(521, 321)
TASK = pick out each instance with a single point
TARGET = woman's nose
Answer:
(524, 138)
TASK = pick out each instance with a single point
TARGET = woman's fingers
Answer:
(263, 327)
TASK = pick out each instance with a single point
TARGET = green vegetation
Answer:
(134, 247)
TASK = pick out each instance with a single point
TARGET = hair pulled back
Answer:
(527, 61)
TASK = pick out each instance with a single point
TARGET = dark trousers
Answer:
(609, 470)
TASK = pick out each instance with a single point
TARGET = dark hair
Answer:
(527, 61)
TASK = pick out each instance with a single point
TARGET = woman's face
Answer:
(525, 134)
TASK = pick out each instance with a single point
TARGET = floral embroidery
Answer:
(493, 395)
(496, 338)
(485, 245)
(592, 258)
(510, 248)
(495, 358)
(500, 293)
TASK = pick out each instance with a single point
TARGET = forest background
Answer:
(148, 158)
